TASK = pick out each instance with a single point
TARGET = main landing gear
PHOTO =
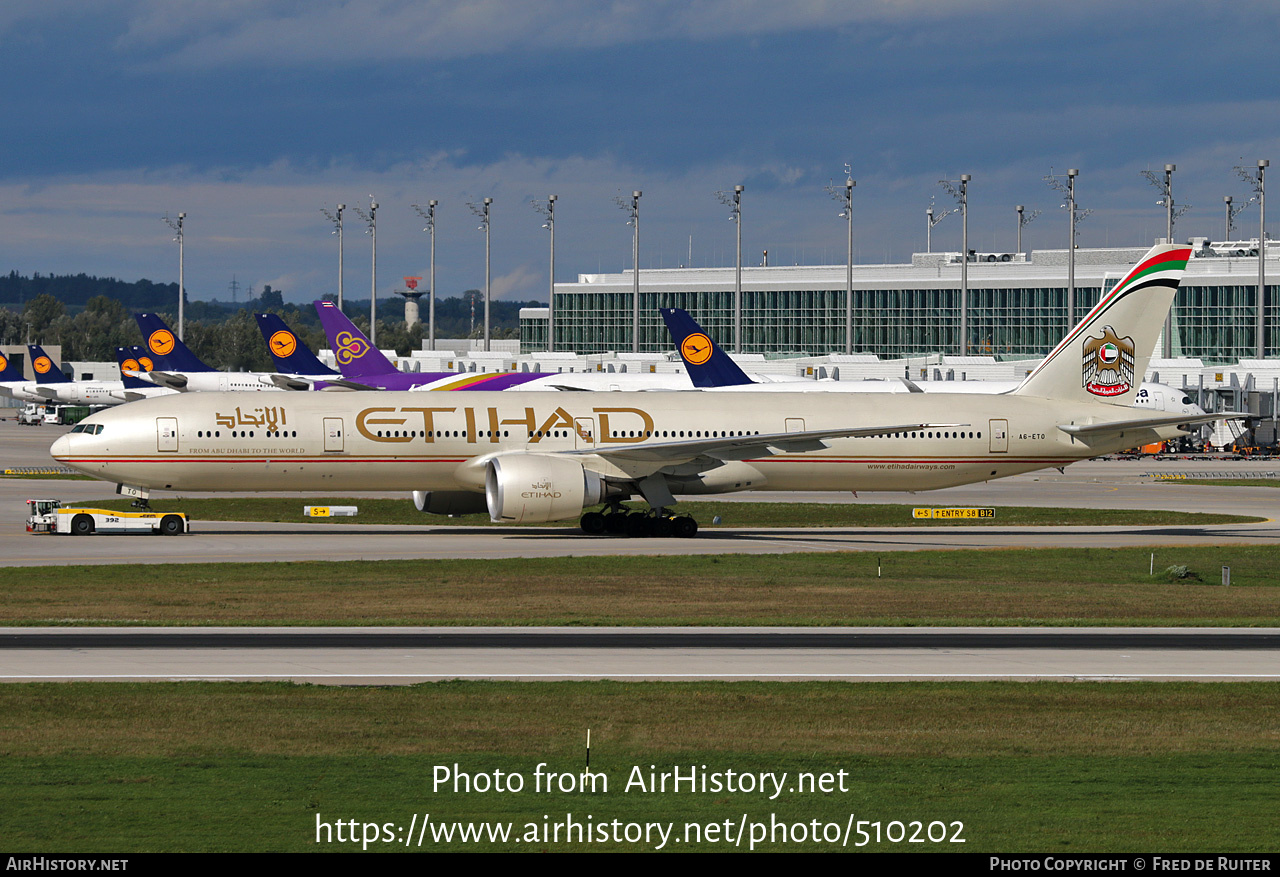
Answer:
(620, 521)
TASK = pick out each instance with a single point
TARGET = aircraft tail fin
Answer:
(357, 358)
(1105, 356)
(288, 351)
(166, 347)
(128, 359)
(45, 369)
(706, 364)
(10, 368)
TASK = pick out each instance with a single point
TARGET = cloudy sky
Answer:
(251, 115)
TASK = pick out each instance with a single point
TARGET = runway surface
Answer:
(404, 656)
(357, 656)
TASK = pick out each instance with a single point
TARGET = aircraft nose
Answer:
(61, 449)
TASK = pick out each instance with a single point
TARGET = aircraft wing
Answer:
(171, 380)
(290, 382)
(46, 392)
(1088, 430)
(744, 447)
(347, 384)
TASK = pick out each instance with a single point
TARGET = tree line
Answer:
(226, 336)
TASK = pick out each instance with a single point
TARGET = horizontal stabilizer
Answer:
(1089, 430)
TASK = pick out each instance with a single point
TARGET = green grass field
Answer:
(1059, 587)
(733, 514)
(1049, 767)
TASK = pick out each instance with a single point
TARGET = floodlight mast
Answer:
(844, 194)
(932, 221)
(1172, 212)
(961, 195)
(548, 209)
(371, 219)
(1024, 220)
(632, 210)
(336, 219)
(176, 225)
(1074, 215)
(734, 204)
(483, 213)
(1259, 194)
(430, 216)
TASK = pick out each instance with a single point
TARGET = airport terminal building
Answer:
(1016, 306)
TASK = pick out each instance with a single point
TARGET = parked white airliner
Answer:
(535, 457)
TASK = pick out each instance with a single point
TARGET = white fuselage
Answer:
(401, 441)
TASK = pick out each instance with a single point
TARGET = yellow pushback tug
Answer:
(48, 516)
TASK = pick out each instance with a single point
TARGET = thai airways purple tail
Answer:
(357, 358)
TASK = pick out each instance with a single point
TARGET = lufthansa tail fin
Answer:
(1104, 358)
(45, 369)
(10, 368)
(357, 358)
(128, 360)
(167, 348)
(289, 353)
(706, 364)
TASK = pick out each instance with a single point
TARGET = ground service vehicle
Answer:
(48, 516)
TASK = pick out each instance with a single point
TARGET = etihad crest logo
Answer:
(43, 365)
(1108, 364)
(350, 348)
(696, 348)
(283, 344)
(161, 342)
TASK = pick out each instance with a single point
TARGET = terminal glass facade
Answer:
(1213, 322)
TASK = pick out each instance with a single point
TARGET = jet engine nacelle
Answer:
(449, 502)
(536, 488)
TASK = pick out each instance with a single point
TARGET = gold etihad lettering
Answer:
(534, 427)
(271, 418)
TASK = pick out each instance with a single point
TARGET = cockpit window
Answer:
(88, 428)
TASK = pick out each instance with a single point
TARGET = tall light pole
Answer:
(845, 196)
(176, 225)
(1023, 221)
(633, 219)
(1260, 317)
(549, 211)
(371, 219)
(961, 195)
(430, 216)
(1260, 300)
(483, 212)
(734, 204)
(928, 234)
(1074, 215)
(336, 219)
(1171, 212)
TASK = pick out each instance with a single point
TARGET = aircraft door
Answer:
(333, 434)
(795, 424)
(999, 436)
(166, 434)
(584, 431)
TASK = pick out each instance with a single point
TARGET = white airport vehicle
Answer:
(537, 457)
(48, 516)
